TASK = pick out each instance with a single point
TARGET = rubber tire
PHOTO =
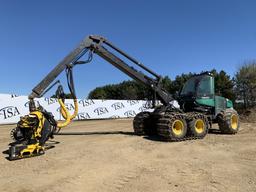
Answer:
(224, 121)
(178, 137)
(191, 127)
(164, 127)
(142, 124)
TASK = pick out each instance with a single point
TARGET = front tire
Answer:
(228, 121)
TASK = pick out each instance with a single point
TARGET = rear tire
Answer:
(142, 124)
(228, 121)
(172, 127)
(198, 126)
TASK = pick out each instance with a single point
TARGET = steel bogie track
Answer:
(164, 121)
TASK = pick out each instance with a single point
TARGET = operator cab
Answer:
(198, 88)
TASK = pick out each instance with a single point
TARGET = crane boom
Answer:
(99, 45)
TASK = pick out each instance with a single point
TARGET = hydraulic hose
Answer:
(64, 110)
(75, 111)
(70, 81)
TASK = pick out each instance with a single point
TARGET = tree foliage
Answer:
(245, 80)
(178, 83)
(123, 90)
(126, 90)
(224, 85)
(135, 90)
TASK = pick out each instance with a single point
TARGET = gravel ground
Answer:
(104, 155)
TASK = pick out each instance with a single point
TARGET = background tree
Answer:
(123, 90)
(126, 90)
(245, 80)
(224, 85)
(135, 90)
(178, 83)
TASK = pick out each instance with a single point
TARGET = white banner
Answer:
(12, 107)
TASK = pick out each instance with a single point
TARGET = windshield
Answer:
(190, 86)
(202, 85)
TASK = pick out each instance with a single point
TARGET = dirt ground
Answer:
(105, 156)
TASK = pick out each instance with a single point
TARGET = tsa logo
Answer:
(81, 116)
(130, 113)
(101, 110)
(117, 105)
(69, 107)
(9, 112)
(27, 104)
(50, 100)
(143, 109)
(86, 103)
(148, 104)
(132, 102)
(145, 106)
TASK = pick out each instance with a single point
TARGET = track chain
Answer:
(139, 124)
(164, 121)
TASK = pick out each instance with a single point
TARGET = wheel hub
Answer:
(178, 127)
(199, 126)
(234, 121)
